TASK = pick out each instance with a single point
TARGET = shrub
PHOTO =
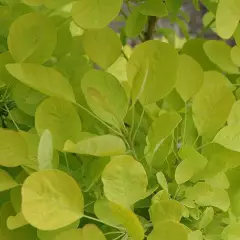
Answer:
(118, 134)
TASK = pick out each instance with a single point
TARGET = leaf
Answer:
(51, 199)
(61, 119)
(55, 3)
(101, 146)
(195, 235)
(6, 181)
(190, 77)
(91, 231)
(13, 149)
(205, 195)
(161, 128)
(162, 181)
(135, 23)
(17, 221)
(169, 230)
(33, 2)
(227, 18)
(212, 104)
(206, 218)
(166, 210)
(104, 12)
(73, 234)
(220, 54)
(234, 116)
(45, 151)
(128, 220)
(125, 181)
(153, 8)
(32, 38)
(94, 43)
(235, 52)
(229, 137)
(152, 54)
(43, 79)
(231, 232)
(105, 96)
(220, 180)
(192, 164)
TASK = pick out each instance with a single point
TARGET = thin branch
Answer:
(148, 35)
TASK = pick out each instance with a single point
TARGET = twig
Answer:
(148, 35)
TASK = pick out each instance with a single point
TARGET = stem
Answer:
(66, 159)
(206, 28)
(124, 54)
(97, 220)
(148, 35)
(138, 126)
(185, 123)
(10, 115)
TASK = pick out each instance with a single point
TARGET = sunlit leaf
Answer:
(51, 199)
(153, 8)
(162, 181)
(206, 218)
(6, 181)
(14, 222)
(195, 235)
(234, 116)
(235, 53)
(231, 232)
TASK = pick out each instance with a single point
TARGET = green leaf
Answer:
(45, 151)
(235, 53)
(91, 231)
(13, 149)
(146, 58)
(94, 43)
(55, 3)
(234, 116)
(103, 12)
(229, 137)
(166, 210)
(212, 104)
(206, 218)
(192, 164)
(32, 38)
(220, 54)
(60, 118)
(220, 180)
(34, 3)
(73, 234)
(135, 23)
(101, 146)
(128, 220)
(105, 96)
(6, 181)
(231, 232)
(195, 235)
(51, 199)
(153, 8)
(205, 195)
(227, 18)
(125, 181)
(43, 79)
(190, 77)
(162, 181)
(169, 230)
(17, 221)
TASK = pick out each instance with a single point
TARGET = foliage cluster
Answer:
(103, 141)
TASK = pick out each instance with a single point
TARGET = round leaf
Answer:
(235, 55)
(51, 199)
(234, 116)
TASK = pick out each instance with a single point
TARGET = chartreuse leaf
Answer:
(6, 181)
(60, 118)
(147, 58)
(105, 96)
(43, 79)
(153, 8)
(229, 137)
(227, 17)
(101, 146)
(51, 199)
(220, 180)
(220, 54)
(73, 234)
(33, 3)
(231, 232)
(128, 220)
(13, 149)
(45, 151)
(32, 38)
(166, 210)
(212, 104)
(162, 181)
(235, 55)
(125, 181)
(169, 230)
(234, 116)
(195, 235)
(205, 195)
(94, 43)
(50, 235)
(206, 218)
(103, 12)
(14, 222)
(193, 163)
(161, 128)
(135, 23)
(55, 3)
(189, 78)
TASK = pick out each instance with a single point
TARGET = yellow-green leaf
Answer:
(51, 199)
(101, 146)
(43, 79)
(153, 8)
(103, 11)
(162, 181)
(231, 232)
(73, 234)
(6, 181)
(235, 55)
(61, 119)
(125, 181)
(234, 116)
(103, 46)
(32, 38)
(14, 222)
(55, 3)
